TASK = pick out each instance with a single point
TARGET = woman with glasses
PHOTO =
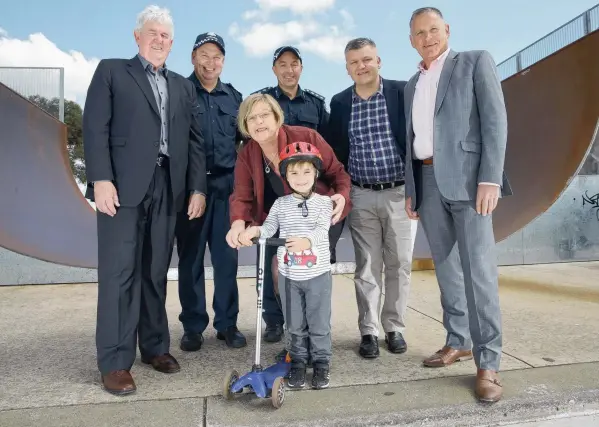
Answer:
(258, 184)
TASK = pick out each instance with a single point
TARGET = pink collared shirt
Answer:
(423, 107)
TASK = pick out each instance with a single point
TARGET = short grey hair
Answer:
(422, 10)
(154, 13)
(359, 43)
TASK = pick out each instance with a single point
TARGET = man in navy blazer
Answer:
(368, 134)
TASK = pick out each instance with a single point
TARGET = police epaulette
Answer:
(263, 90)
(233, 89)
(317, 95)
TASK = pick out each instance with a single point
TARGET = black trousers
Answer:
(134, 252)
(192, 237)
(272, 314)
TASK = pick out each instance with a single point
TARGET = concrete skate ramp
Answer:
(553, 108)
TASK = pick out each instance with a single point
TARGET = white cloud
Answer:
(38, 51)
(348, 19)
(263, 37)
(296, 6)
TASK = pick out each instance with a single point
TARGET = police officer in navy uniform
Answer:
(302, 107)
(219, 104)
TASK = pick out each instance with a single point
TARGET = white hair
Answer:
(155, 14)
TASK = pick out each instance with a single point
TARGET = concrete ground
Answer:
(550, 366)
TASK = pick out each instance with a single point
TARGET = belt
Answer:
(161, 160)
(428, 161)
(219, 171)
(379, 187)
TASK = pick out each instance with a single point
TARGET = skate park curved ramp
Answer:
(552, 107)
(43, 213)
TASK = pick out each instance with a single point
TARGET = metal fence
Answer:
(44, 83)
(577, 28)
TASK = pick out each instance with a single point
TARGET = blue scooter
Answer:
(267, 382)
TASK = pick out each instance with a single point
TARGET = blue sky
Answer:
(85, 31)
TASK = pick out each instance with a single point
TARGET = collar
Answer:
(220, 87)
(355, 95)
(439, 61)
(279, 92)
(147, 66)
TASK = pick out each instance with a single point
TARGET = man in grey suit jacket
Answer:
(456, 139)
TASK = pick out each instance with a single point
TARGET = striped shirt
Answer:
(374, 157)
(287, 216)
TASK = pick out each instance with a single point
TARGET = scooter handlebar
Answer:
(271, 241)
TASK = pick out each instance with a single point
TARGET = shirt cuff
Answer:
(194, 192)
(489, 183)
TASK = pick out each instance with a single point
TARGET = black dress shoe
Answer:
(232, 337)
(273, 333)
(395, 342)
(369, 347)
(191, 341)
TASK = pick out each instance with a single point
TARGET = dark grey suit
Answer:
(469, 140)
(126, 131)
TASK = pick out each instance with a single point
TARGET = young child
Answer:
(303, 218)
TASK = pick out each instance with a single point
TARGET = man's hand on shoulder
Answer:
(197, 205)
(105, 197)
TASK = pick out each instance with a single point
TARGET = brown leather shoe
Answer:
(164, 363)
(488, 386)
(119, 383)
(446, 356)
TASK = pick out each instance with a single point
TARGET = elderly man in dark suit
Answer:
(142, 142)
(367, 132)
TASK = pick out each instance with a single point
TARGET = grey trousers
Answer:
(382, 235)
(307, 311)
(462, 245)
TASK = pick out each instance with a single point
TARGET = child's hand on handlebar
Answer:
(298, 244)
(245, 238)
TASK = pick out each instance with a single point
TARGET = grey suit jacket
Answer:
(470, 129)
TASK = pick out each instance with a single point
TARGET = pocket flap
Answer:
(473, 147)
(117, 141)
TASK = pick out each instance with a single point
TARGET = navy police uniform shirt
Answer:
(218, 118)
(307, 109)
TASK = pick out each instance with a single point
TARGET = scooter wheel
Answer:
(230, 378)
(278, 392)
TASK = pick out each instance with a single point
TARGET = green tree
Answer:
(73, 119)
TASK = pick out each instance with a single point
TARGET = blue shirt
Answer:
(159, 86)
(218, 118)
(373, 153)
(307, 108)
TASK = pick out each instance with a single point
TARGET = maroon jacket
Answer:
(247, 200)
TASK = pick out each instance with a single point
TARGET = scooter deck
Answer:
(261, 382)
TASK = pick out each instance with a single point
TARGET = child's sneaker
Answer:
(297, 377)
(321, 377)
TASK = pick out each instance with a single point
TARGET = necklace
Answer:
(266, 162)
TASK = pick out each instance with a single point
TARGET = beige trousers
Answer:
(382, 235)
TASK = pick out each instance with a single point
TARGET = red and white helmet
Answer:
(299, 152)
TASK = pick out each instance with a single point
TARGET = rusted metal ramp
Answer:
(553, 108)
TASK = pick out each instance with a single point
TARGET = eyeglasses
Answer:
(262, 117)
